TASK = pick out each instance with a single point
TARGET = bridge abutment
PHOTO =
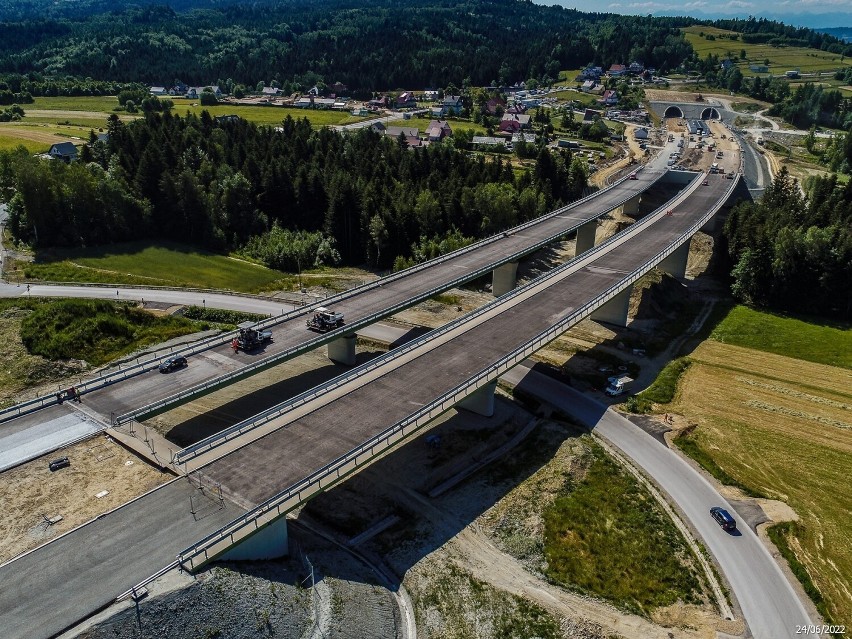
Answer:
(504, 278)
(586, 237)
(675, 264)
(342, 350)
(481, 401)
(615, 310)
(270, 542)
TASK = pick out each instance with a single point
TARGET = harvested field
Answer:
(32, 493)
(782, 427)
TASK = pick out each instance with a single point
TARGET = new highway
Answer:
(52, 586)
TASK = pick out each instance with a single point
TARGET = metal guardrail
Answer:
(101, 381)
(239, 429)
(214, 544)
(304, 347)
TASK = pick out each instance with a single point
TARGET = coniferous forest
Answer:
(219, 184)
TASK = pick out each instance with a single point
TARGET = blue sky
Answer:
(812, 13)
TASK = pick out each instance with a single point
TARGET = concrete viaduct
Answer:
(247, 485)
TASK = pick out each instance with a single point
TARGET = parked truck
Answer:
(324, 319)
(250, 336)
(617, 384)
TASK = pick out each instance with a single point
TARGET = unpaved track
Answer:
(472, 551)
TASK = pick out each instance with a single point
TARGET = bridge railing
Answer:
(226, 378)
(277, 506)
(149, 364)
(256, 421)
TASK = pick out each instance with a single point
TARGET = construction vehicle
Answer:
(250, 336)
(324, 319)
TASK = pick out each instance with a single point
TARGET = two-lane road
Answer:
(768, 601)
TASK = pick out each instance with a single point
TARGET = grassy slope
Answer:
(168, 264)
(788, 336)
(609, 537)
(781, 59)
(776, 419)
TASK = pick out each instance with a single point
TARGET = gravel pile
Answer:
(230, 601)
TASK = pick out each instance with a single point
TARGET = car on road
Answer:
(706, 183)
(723, 518)
(633, 176)
(173, 363)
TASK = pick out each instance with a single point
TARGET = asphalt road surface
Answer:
(62, 581)
(769, 604)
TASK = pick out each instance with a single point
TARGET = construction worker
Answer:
(235, 344)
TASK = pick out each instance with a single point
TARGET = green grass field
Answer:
(781, 59)
(165, 264)
(268, 114)
(822, 343)
(104, 104)
(608, 536)
(771, 399)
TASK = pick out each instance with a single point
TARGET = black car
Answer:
(723, 518)
(172, 363)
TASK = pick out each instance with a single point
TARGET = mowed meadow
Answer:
(51, 120)
(781, 59)
(781, 426)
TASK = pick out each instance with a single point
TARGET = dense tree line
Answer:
(219, 184)
(793, 252)
(811, 104)
(367, 45)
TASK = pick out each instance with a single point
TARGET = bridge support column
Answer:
(615, 310)
(504, 278)
(586, 237)
(269, 543)
(631, 206)
(675, 264)
(342, 350)
(481, 401)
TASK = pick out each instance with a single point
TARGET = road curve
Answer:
(770, 605)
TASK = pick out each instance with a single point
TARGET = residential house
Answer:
(65, 151)
(589, 115)
(726, 64)
(517, 108)
(591, 73)
(510, 126)
(438, 130)
(587, 86)
(436, 112)
(494, 104)
(483, 140)
(610, 98)
(158, 91)
(617, 70)
(195, 92)
(379, 127)
(640, 134)
(520, 136)
(382, 102)
(406, 101)
(430, 94)
(452, 105)
(270, 92)
(407, 131)
(636, 68)
(522, 119)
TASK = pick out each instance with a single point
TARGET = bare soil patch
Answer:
(32, 493)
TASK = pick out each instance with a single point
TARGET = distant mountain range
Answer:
(844, 33)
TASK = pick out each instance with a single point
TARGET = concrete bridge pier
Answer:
(675, 264)
(269, 542)
(481, 401)
(504, 278)
(342, 350)
(615, 310)
(586, 237)
(631, 206)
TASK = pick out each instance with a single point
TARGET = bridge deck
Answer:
(56, 584)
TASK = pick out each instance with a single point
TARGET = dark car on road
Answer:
(56, 464)
(172, 363)
(723, 518)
